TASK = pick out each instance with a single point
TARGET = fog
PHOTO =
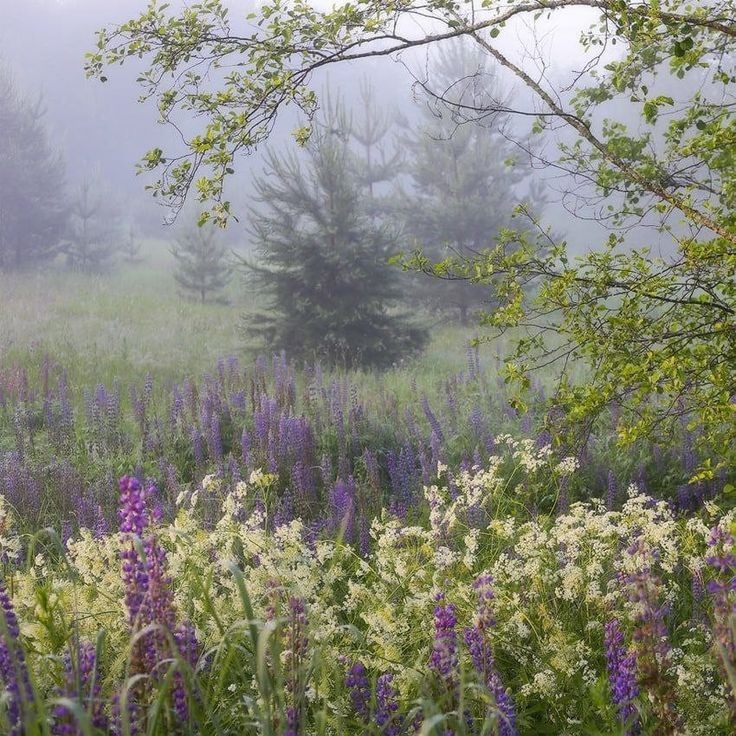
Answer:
(102, 130)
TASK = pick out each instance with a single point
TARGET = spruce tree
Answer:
(323, 257)
(202, 262)
(130, 246)
(92, 232)
(33, 210)
(462, 190)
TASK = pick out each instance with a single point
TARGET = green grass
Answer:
(133, 321)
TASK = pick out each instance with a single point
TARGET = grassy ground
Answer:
(133, 321)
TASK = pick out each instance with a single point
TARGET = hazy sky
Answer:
(103, 130)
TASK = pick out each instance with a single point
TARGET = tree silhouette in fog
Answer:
(323, 257)
(33, 209)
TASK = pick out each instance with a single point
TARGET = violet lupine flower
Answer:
(621, 666)
(485, 665)
(343, 502)
(387, 705)
(360, 690)
(132, 716)
(81, 683)
(292, 722)
(434, 424)
(197, 449)
(444, 658)
(133, 521)
(187, 645)
(13, 671)
(653, 651)
(477, 639)
(148, 592)
(722, 589)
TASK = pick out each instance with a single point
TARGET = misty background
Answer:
(102, 130)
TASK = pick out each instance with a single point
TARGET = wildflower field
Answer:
(274, 549)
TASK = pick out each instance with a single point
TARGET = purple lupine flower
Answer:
(13, 671)
(444, 658)
(484, 663)
(477, 423)
(148, 590)
(621, 666)
(81, 683)
(653, 652)
(133, 521)
(387, 705)
(722, 560)
(477, 639)
(149, 597)
(187, 645)
(132, 715)
(292, 727)
(197, 449)
(434, 424)
(360, 690)
(303, 483)
(684, 497)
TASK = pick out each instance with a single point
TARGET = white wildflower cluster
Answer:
(526, 452)
(567, 466)
(555, 583)
(10, 543)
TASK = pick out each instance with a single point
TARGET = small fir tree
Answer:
(202, 262)
(462, 188)
(33, 208)
(92, 231)
(323, 257)
(130, 246)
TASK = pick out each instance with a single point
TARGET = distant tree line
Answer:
(41, 216)
(33, 209)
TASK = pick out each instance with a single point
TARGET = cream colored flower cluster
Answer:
(556, 581)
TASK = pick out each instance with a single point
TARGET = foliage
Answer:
(32, 199)
(202, 262)
(655, 328)
(323, 258)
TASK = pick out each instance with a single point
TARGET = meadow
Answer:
(198, 539)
